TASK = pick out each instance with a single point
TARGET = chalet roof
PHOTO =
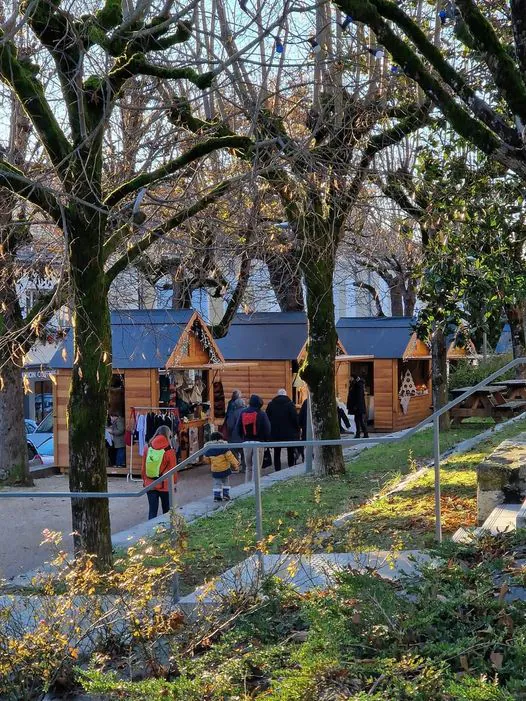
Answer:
(383, 337)
(265, 336)
(141, 338)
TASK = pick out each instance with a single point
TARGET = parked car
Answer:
(42, 437)
(34, 458)
(31, 425)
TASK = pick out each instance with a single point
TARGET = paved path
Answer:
(23, 520)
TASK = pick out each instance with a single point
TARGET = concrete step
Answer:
(303, 572)
(502, 518)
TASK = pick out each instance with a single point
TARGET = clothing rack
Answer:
(133, 410)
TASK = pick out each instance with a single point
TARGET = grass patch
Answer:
(448, 636)
(406, 519)
(304, 505)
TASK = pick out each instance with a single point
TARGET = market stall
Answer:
(263, 352)
(165, 371)
(397, 373)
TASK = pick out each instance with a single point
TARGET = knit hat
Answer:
(255, 402)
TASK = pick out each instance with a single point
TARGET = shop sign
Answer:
(38, 374)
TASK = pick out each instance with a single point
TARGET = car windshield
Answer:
(47, 425)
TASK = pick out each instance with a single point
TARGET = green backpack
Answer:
(154, 459)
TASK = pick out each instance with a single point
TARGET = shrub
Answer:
(466, 375)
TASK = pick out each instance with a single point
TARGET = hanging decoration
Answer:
(280, 48)
(203, 339)
(377, 52)
(315, 47)
(346, 22)
(396, 70)
(407, 390)
(443, 17)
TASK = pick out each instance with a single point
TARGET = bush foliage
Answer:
(466, 375)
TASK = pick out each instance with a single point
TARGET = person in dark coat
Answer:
(356, 405)
(234, 436)
(253, 425)
(303, 425)
(284, 425)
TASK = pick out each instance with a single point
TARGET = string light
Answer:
(346, 22)
(315, 47)
(279, 46)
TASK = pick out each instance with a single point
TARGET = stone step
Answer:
(303, 572)
(502, 518)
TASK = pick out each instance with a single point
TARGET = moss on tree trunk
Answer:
(14, 467)
(88, 402)
(318, 370)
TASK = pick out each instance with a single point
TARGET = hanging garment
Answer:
(150, 426)
(164, 389)
(141, 432)
(219, 399)
(193, 440)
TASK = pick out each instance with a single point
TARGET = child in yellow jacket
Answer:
(222, 462)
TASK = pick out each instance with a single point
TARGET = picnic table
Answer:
(516, 389)
(492, 401)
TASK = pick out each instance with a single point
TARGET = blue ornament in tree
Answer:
(315, 47)
(443, 16)
(346, 22)
(377, 52)
(279, 46)
(396, 70)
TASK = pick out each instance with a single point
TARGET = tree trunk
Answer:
(515, 316)
(88, 402)
(409, 300)
(439, 375)
(397, 300)
(286, 283)
(14, 467)
(318, 370)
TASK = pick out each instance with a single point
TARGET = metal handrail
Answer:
(434, 418)
(402, 435)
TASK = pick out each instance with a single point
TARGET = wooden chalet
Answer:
(268, 349)
(397, 373)
(160, 357)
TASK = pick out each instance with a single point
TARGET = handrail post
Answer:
(436, 460)
(173, 535)
(308, 448)
(259, 509)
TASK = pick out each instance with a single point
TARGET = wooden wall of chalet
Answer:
(60, 407)
(141, 388)
(263, 379)
(388, 414)
(343, 376)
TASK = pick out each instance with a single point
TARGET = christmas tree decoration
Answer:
(377, 52)
(315, 47)
(443, 17)
(396, 70)
(279, 46)
(346, 22)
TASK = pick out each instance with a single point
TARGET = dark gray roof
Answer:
(504, 343)
(140, 338)
(383, 337)
(265, 336)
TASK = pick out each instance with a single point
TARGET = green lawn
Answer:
(406, 519)
(305, 505)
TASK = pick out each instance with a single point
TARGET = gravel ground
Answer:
(23, 520)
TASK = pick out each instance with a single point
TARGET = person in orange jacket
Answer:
(158, 459)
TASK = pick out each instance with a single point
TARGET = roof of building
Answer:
(383, 337)
(504, 342)
(265, 336)
(141, 338)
